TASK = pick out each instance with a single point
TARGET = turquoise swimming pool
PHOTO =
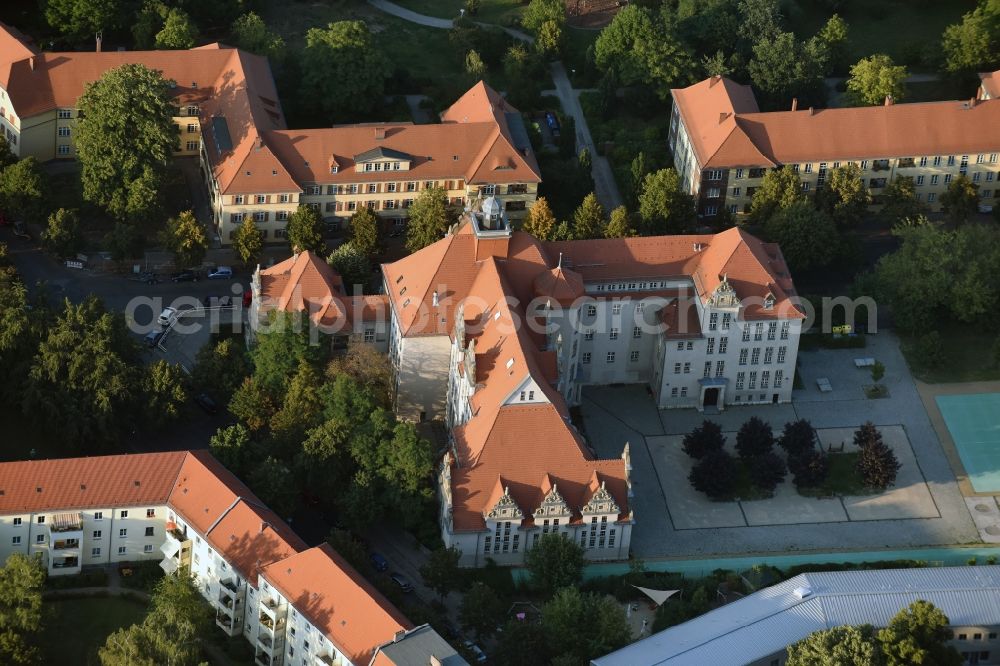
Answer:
(974, 423)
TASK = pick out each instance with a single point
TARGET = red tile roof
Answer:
(727, 130)
(101, 481)
(338, 601)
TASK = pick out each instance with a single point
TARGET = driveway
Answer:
(434, 22)
(616, 415)
(604, 179)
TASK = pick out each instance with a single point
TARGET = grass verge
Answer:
(843, 479)
(965, 358)
(76, 628)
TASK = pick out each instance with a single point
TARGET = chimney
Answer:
(795, 104)
(812, 111)
(263, 525)
(99, 39)
(379, 133)
(888, 100)
(435, 661)
(722, 117)
(31, 63)
(972, 102)
(260, 142)
(434, 299)
(715, 79)
(400, 635)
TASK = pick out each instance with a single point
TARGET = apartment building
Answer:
(296, 605)
(757, 629)
(229, 116)
(723, 145)
(498, 333)
(306, 283)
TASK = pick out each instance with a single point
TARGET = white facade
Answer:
(85, 537)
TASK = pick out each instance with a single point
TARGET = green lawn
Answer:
(909, 34)
(76, 628)
(966, 356)
(842, 480)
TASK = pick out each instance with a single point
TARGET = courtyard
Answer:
(926, 507)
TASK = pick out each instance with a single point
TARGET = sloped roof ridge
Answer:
(223, 515)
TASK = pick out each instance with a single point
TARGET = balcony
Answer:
(228, 586)
(66, 563)
(906, 163)
(270, 625)
(517, 189)
(326, 660)
(227, 623)
(66, 522)
(66, 544)
(265, 642)
(880, 165)
(228, 604)
(263, 659)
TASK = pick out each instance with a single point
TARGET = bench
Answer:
(864, 362)
(823, 384)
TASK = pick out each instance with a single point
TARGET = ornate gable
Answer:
(724, 295)
(505, 508)
(553, 505)
(601, 502)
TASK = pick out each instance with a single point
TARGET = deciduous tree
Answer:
(584, 625)
(974, 44)
(280, 350)
(80, 20)
(441, 572)
(715, 475)
(809, 468)
(343, 69)
(620, 224)
(220, 368)
(780, 189)
(305, 230)
(62, 236)
(21, 580)
(808, 237)
(364, 232)
(754, 438)
(703, 440)
(783, 68)
(273, 482)
(185, 238)
(23, 190)
(876, 77)
(899, 202)
(481, 610)
(550, 39)
(539, 11)
(554, 562)
(797, 437)
(430, 218)
(474, 65)
(877, 463)
(833, 36)
(767, 471)
(539, 222)
(961, 200)
(178, 31)
(845, 645)
(919, 634)
(231, 447)
(250, 33)
(163, 393)
(125, 139)
(664, 206)
(354, 267)
(845, 196)
(248, 242)
(252, 404)
(588, 220)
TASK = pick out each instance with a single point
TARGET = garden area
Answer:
(756, 471)
(74, 629)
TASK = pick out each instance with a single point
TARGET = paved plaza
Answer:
(925, 508)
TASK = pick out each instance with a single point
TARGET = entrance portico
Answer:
(713, 393)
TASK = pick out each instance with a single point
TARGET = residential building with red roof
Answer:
(723, 145)
(305, 282)
(498, 333)
(186, 510)
(230, 117)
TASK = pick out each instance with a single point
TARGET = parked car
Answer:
(476, 651)
(221, 273)
(552, 122)
(401, 581)
(167, 317)
(149, 277)
(205, 402)
(153, 337)
(184, 276)
(379, 562)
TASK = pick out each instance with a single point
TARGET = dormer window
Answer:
(334, 168)
(369, 167)
(769, 301)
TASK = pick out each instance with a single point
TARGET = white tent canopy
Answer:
(658, 596)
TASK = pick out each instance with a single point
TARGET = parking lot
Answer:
(926, 508)
(193, 329)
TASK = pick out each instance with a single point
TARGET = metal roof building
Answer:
(761, 625)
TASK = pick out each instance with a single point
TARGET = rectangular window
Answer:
(147, 548)
(690, 346)
(720, 367)
(616, 308)
(123, 513)
(755, 357)
(283, 198)
(740, 377)
(585, 358)
(713, 321)
(673, 392)
(63, 131)
(149, 531)
(736, 191)
(779, 376)
(931, 198)
(121, 550)
(684, 391)
(723, 344)
(40, 538)
(677, 368)
(588, 334)
(804, 187)
(765, 378)
(40, 520)
(772, 328)
(613, 334)
(63, 149)
(95, 552)
(97, 534)
(746, 333)
(687, 368)
(65, 113)
(610, 358)
(864, 165)
(727, 319)
(951, 160)
(919, 181)
(98, 515)
(934, 179)
(739, 173)
(781, 354)
(947, 178)
(15, 540)
(753, 380)
(191, 146)
(758, 331)
(707, 372)
(710, 346)
(122, 533)
(923, 161)
(17, 521)
(713, 174)
(636, 331)
(809, 168)
(591, 310)
(768, 353)
(633, 356)
(743, 357)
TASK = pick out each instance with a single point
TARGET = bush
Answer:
(930, 350)
(809, 469)
(87, 578)
(144, 575)
(715, 475)
(703, 440)
(755, 438)
(767, 471)
(798, 437)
